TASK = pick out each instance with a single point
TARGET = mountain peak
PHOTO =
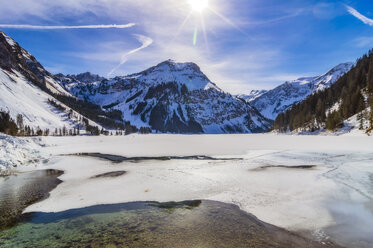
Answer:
(343, 67)
(179, 66)
(170, 71)
(87, 77)
(9, 40)
(254, 94)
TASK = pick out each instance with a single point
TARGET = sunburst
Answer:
(198, 7)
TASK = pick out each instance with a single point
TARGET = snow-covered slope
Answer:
(24, 84)
(254, 94)
(353, 126)
(14, 58)
(19, 96)
(170, 97)
(275, 101)
(16, 152)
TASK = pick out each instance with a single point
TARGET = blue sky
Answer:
(247, 44)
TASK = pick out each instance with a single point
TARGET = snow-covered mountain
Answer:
(276, 101)
(170, 97)
(254, 94)
(22, 79)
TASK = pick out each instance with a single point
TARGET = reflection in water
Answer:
(150, 224)
(21, 190)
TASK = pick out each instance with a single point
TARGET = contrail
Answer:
(359, 16)
(145, 41)
(15, 26)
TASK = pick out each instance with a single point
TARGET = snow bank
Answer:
(17, 152)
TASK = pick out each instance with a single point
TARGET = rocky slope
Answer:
(346, 105)
(278, 100)
(23, 86)
(27, 89)
(254, 94)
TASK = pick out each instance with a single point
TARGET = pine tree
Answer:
(20, 121)
(360, 118)
(333, 120)
(7, 124)
(39, 132)
(370, 78)
(371, 114)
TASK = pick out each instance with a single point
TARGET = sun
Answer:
(199, 5)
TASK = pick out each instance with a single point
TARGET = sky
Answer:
(239, 44)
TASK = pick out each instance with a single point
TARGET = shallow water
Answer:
(150, 224)
(21, 190)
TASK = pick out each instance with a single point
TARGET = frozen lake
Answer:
(319, 186)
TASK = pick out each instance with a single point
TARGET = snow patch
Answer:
(17, 152)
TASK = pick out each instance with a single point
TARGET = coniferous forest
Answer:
(353, 93)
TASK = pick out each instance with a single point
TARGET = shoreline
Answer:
(250, 230)
(20, 190)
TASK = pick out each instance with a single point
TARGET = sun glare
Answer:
(199, 5)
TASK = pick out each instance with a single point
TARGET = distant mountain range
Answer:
(170, 97)
(273, 102)
(345, 106)
(254, 94)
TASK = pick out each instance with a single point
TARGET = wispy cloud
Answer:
(364, 42)
(359, 16)
(236, 62)
(120, 26)
(145, 41)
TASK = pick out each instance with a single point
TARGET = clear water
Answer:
(20, 190)
(150, 224)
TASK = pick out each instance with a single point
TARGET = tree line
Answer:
(109, 119)
(352, 94)
(16, 127)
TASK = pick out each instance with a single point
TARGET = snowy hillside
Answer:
(13, 58)
(170, 97)
(20, 92)
(19, 96)
(275, 101)
(26, 88)
(254, 94)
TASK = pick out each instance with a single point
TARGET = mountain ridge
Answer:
(171, 97)
(347, 102)
(273, 102)
(29, 90)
